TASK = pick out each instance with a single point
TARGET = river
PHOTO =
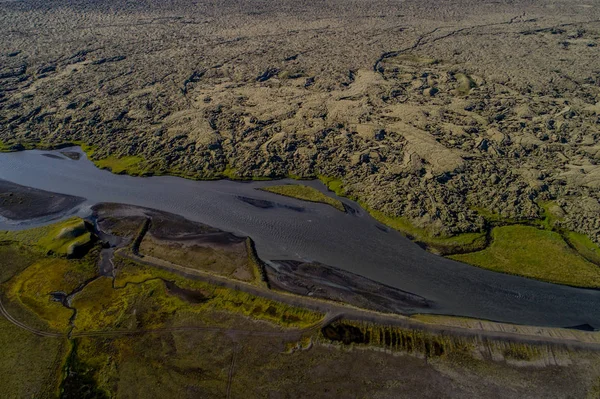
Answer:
(293, 229)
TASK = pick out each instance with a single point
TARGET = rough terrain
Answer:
(147, 330)
(435, 113)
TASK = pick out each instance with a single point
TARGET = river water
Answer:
(293, 229)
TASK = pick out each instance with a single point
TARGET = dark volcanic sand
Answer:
(21, 203)
(322, 281)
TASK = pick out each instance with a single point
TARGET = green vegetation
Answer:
(218, 298)
(63, 238)
(334, 184)
(14, 259)
(32, 288)
(158, 365)
(3, 147)
(131, 165)
(466, 242)
(305, 193)
(551, 214)
(582, 244)
(30, 365)
(531, 252)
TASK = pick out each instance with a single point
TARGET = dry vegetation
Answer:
(423, 111)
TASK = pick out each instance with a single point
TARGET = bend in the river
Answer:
(285, 228)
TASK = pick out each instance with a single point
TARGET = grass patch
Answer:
(31, 365)
(466, 242)
(305, 193)
(14, 258)
(531, 252)
(131, 165)
(334, 184)
(32, 287)
(230, 173)
(63, 238)
(586, 247)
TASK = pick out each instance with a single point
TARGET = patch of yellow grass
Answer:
(531, 252)
(32, 287)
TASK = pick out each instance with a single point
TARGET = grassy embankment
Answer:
(442, 245)
(535, 253)
(305, 193)
(539, 249)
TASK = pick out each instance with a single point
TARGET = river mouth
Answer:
(351, 241)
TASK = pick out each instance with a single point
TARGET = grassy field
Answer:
(218, 298)
(32, 287)
(59, 238)
(586, 247)
(535, 253)
(466, 242)
(305, 193)
(30, 366)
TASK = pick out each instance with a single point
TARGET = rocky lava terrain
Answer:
(440, 113)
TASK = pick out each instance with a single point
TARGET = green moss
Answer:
(551, 214)
(586, 247)
(131, 165)
(444, 245)
(305, 193)
(4, 147)
(230, 173)
(60, 238)
(32, 288)
(334, 184)
(31, 365)
(531, 252)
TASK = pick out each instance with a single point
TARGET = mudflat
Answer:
(22, 203)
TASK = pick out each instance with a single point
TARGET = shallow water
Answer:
(285, 228)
